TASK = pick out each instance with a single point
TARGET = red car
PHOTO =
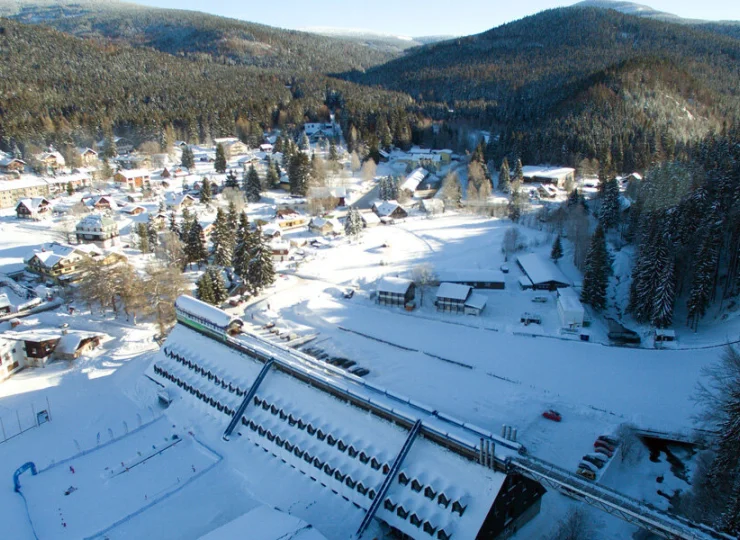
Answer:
(603, 444)
(553, 415)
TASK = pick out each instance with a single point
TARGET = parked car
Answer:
(587, 474)
(608, 439)
(593, 461)
(605, 451)
(598, 443)
(359, 371)
(588, 466)
(349, 293)
(530, 318)
(540, 299)
(504, 268)
(553, 415)
(599, 457)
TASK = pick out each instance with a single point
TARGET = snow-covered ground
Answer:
(488, 370)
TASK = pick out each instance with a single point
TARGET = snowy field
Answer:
(132, 473)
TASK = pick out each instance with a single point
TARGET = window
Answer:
(416, 485)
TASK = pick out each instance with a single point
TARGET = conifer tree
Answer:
(204, 289)
(195, 248)
(143, 237)
(504, 177)
(188, 159)
(609, 216)
(664, 295)
(702, 283)
(221, 239)
(598, 269)
(219, 164)
(152, 233)
(557, 249)
(232, 218)
(173, 226)
(516, 203)
(333, 156)
(187, 221)
(241, 257)
(518, 171)
(353, 222)
(252, 185)
(231, 180)
(298, 173)
(261, 273)
(273, 177)
(70, 189)
(205, 191)
(218, 285)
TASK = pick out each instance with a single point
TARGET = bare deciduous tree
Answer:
(575, 526)
(423, 275)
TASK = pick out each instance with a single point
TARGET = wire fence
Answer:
(15, 422)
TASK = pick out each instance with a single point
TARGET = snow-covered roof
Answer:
(4, 301)
(133, 173)
(67, 178)
(453, 291)
(23, 182)
(540, 171)
(470, 276)
(386, 208)
(96, 222)
(414, 179)
(106, 200)
(476, 301)
(195, 307)
(393, 285)
(131, 208)
(569, 301)
(541, 270)
(70, 342)
(56, 156)
(265, 523)
(370, 218)
(33, 204)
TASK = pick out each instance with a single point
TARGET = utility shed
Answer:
(542, 272)
(451, 297)
(570, 308)
(475, 304)
(393, 291)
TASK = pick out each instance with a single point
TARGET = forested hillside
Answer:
(201, 35)
(58, 89)
(574, 82)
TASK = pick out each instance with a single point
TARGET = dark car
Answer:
(594, 461)
(349, 293)
(605, 451)
(608, 439)
(359, 371)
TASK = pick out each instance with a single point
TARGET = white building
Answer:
(557, 176)
(570, 309)
(99, 230)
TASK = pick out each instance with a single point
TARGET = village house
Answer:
(390, 210)
(5, 305)
(455, 298)
(557, 176)
(88, 156)
(232, 146)
(37, 208)
(133, 178)
(105, 202)
(50, 161)
(123, 145)
(99, 230)
(369, 219)
(133, 209)
(62, 263)
(280, 251)
(412, 181)
(26, 187)
(177, 202)
(134, 161)
(72, 345)
(570, 309)
(267, 148)
(36, 346)
(478, 279)
(393, 291)
(287, 219)
(271, 231)
(59, 183)
(325, 227)
(11, 165)
(12, 357)
(540, 273)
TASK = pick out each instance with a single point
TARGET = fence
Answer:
(16, 422)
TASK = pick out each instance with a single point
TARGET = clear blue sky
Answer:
(417, 17)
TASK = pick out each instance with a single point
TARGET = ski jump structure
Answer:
(465, 439)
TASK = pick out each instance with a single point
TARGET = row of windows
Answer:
(416, 520)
